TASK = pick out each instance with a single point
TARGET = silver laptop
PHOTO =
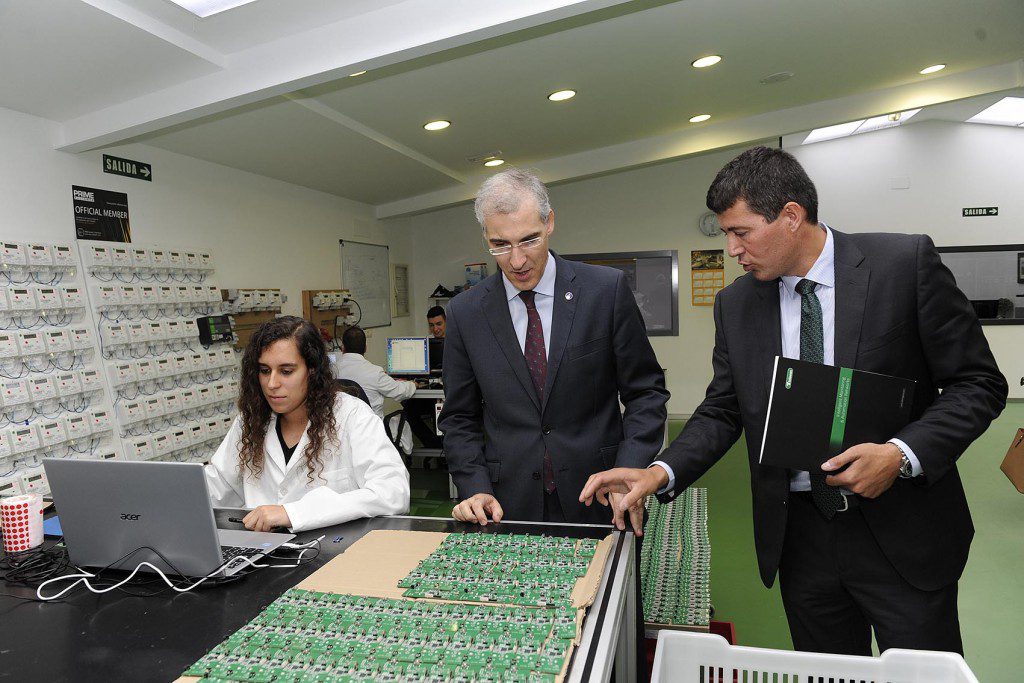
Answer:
(108, 508)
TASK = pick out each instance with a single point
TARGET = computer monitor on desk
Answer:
(408, 356)
(436, 355)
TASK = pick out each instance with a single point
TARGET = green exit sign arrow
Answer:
(981, 211)
(127, 167)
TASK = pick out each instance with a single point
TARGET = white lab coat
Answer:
(377, 384)
(363, 475)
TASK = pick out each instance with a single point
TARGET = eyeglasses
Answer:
(525, 245)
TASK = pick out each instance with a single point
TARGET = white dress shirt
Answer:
(377, 384)
(544, 300)
(823, 272)
(363, 475)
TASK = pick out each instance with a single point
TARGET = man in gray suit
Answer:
(537, 358)
(878, 538)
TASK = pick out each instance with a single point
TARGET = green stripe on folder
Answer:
(835, 441)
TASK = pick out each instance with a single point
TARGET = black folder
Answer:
(817, 411)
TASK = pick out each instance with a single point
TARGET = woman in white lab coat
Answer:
(299, 454)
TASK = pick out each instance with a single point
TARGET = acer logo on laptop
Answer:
(130, 518)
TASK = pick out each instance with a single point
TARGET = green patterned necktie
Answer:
(812, 348)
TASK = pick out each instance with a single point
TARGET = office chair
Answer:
(396, 437)
(351, 388)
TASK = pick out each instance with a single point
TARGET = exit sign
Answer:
(981, 211)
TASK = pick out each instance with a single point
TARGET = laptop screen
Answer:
(408, 356)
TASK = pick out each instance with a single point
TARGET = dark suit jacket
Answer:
(898, 312)
(496, 429)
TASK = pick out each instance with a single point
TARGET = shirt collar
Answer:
(348, 354)
(545, 287)
(823, 271)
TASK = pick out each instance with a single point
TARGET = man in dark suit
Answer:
(882, 543)
(537, 358)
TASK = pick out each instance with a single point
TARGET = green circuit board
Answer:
(308, 636)
(509, 569)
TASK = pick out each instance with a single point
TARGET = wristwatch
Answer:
(906, 467)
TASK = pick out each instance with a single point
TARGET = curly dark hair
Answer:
(254, 409)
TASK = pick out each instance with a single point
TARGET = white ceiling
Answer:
(264, 87)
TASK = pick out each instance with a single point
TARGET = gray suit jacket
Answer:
(496, 429)
(898, 312)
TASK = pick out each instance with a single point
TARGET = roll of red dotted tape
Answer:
(21, 522)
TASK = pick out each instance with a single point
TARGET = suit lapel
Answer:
(562, 312)
(769, 326)
(500, 321)
(851, 297)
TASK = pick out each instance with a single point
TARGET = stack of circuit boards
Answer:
(675, 562)
(509, 569)
(526, 634)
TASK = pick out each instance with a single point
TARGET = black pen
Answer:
(237, 520)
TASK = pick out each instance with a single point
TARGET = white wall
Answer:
(949, 166)
(262, 232)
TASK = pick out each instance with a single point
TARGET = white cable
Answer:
(84, 577)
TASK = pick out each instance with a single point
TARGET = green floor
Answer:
(991, 591)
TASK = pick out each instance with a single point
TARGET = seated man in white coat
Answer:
(299, 454)
(377, 384)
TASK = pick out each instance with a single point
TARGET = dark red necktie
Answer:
(537, 362)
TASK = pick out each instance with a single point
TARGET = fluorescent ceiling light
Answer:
(886, 121)
(699, 118)
(358, 73)
(861, 126)
(494, 162)
(561, 95)
(832, 132)
(931, 69)
(1008, 111)
(704, 62)
(206, 8)
(437, 125)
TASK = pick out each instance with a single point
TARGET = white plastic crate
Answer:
(684, 657)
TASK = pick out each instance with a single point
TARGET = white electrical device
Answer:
(104, 295)
(42, 388)
(14, 391)
(31, 343)
(100, 420)
(154, 407)
(52, 432)
(23, 299)
(12, 254)
(39, 255)
(140, 258)
(48, 298)
(158, 258)
(69, 383)
(140, 449)
(24, 438)
(120, 257)
(8, 346)
(33, 480)
(113, 334)
(128, 413)
(145, 370)
(57, 341)
(129, 296)
(121, 374)
(73, 297)
(98, 256)
(63, 256)
(90, 379)
(77, 427)
(81, 338)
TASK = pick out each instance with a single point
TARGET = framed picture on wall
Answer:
(653, 277)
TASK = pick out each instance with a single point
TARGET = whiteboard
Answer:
(365, 272)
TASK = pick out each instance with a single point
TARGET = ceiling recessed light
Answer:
(206, 8)
(700, 118)
(1008, 111)
(705, 62)
(562, 95)
(494, 162)
(437, 125)
(932, 69)
(358, 73)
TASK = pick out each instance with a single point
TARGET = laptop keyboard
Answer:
(229, 552)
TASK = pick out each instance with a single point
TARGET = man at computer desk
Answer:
(537, 358)
(419, 412)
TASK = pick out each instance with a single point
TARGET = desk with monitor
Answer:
(420, 359)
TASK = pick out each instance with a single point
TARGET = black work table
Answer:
(117, 637)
